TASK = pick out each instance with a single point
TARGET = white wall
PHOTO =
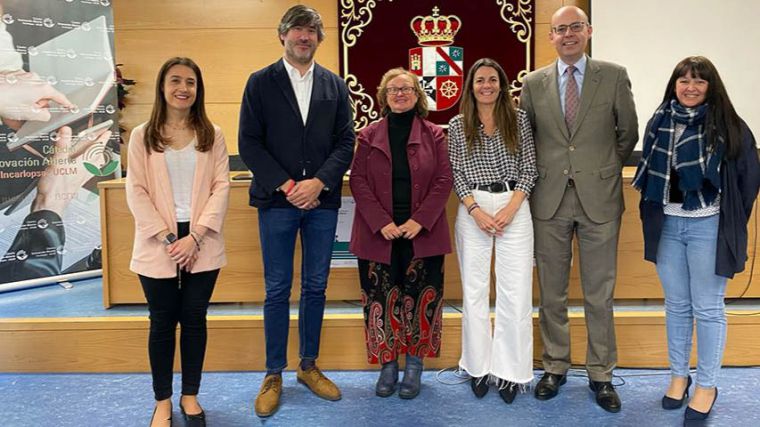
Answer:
(649, 37)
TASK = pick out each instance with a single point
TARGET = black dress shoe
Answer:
(606, 396)
(508, 393)
(152, 417)
(548, 386)
(670, 403)
(479, 386)
(694, 415)
(194, 420)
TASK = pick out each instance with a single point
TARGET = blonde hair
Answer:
(421, 107)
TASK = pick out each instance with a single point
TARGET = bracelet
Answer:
(197, 241)
(472, 207)
(290, 188)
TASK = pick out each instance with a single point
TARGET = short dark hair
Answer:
(301, 16)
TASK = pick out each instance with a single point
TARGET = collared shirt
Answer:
(301, 86)
(491, 162)
(580, 72)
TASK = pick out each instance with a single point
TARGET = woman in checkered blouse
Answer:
(494, 165)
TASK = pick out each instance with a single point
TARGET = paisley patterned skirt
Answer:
(403, 304)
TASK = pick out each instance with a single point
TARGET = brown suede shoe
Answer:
(318, 383)
(268, 399)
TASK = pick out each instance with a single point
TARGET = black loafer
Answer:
(548, 386)
(606, 396)
(194, 420)
(479, 386)
(669, 403)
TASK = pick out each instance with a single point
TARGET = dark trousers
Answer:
(278, 230)
(182, 300)
(402, 304)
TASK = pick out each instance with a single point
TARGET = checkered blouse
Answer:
(491, 162)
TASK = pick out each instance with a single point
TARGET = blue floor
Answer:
(126, 400)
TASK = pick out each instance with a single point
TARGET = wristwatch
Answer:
(170, 238)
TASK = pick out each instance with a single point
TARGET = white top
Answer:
(301, 86)
(676, 209)
(181, 165)
(10, 60)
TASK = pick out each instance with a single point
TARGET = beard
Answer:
(296, 56)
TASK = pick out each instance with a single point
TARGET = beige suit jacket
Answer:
(149, 196)
(606, 130)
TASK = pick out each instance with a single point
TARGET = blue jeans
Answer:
(686, 267)
(278, 228)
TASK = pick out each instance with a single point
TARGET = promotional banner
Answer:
(437, 41)
(341, 256)
(58, 137)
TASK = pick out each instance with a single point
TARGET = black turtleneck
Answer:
(399, 127)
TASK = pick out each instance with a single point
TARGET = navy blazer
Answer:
(276, 145)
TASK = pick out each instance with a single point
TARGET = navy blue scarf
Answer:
(697, 164)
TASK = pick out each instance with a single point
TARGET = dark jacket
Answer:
(740, 179)
(371, 186)
(275, 145)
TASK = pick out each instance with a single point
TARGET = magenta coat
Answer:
(371, 177)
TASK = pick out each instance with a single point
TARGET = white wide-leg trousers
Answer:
(507, 354)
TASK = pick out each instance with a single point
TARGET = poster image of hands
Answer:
(58, 137)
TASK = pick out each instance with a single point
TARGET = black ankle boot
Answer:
(410, 385)
(386, 384)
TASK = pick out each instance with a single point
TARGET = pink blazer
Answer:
(149, 196)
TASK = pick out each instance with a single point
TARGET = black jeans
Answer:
(171, 302)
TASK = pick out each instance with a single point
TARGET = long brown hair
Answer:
(421, 107)
(504, 111)
(721, 120)
(204, 130)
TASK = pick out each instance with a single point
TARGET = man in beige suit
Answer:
(584, 125)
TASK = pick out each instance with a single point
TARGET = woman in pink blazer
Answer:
(177, 190)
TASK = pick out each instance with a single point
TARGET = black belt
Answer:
(496, 187)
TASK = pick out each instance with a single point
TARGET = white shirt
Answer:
(580, 72)
(181, 165)
(302, 86)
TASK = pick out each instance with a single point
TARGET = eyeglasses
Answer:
(575, 27)
(406, 90)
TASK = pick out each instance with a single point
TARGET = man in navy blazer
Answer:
(296, 136)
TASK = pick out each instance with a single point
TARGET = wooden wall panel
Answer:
(226, 57)
(236, 343)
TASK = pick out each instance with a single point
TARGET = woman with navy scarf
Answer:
(698, 177)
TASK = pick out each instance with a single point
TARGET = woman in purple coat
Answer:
(401, 180)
